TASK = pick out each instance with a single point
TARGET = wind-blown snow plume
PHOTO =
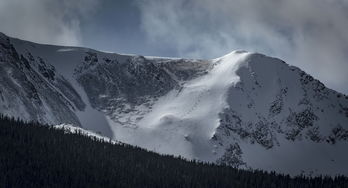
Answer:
(45, 21)
(310, 34)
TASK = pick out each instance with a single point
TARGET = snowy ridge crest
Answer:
(68, 128)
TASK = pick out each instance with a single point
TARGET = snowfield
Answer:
(183, 121)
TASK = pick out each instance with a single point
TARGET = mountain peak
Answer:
(232, 53)
(227, 110)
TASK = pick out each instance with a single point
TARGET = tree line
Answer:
(36, 155)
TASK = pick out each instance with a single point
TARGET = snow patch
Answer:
(68, 128)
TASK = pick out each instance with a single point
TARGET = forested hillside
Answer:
(34, 155)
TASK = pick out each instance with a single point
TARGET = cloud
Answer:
(45, 21)
(311, 34)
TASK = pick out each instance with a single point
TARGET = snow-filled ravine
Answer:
(183, 121)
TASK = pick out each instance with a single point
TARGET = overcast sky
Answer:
(311, 34)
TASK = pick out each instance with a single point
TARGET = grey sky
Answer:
(311, 34)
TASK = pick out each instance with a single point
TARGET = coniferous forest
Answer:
(34, 155)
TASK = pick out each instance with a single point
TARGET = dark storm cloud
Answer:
(311, 34)
(45, 21)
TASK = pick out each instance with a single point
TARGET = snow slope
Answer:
(244, 109)
(187, 117)
(71, 129)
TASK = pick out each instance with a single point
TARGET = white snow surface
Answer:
(183, 122)
(68, 128)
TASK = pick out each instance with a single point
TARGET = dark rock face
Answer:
(338, 134)
(232, 157)
(277, 105)
(298, 121)
(31, 89)
(261, 132)
(120, 86)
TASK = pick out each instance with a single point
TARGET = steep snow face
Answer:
(280, 118)
(30, 88)
(244, 109)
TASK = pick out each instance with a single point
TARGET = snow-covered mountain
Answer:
(243, 109)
